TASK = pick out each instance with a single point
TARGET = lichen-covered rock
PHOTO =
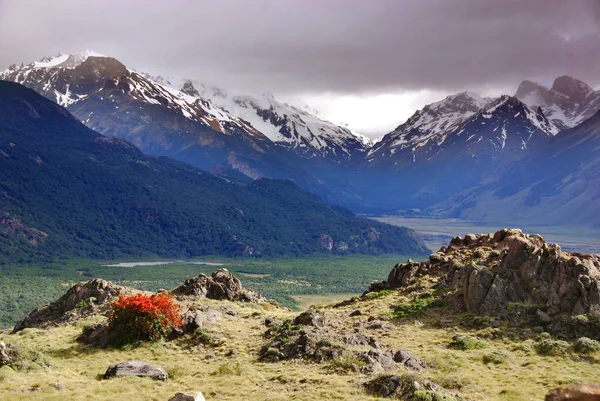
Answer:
(83, 299)
(221, 285)
(136, 368)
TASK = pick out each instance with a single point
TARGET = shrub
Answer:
(550, 347)
(465, 343)
(347, 365)
(586, 345)
(227, 369)
(142, 318)
(496, 357)
(377, 294)
(418, 306)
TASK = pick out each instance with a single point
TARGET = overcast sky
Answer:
(368, 63)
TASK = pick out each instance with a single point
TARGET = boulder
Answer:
(580, 392)
(136, 368)
(311, 317)
(196, 318)
(379, 325)
(221, 285)
(83, 299)
(409, 360)
(188, 396)
(95, 335)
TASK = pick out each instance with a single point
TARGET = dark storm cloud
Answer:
(312, 46)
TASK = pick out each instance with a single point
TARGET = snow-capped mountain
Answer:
(70, 79)
(430, 124)
(293, 128)
(464, 125)
(568, 103)
(298, 129)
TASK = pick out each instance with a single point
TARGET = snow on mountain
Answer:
(432, 123)
(464, 125)
(287, 125)
(69, 79)
(568, 103)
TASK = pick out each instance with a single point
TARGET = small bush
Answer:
(465, 343)
(496, 357)
(6, 372)
(378, 294)
(24, 359)
(430, 395)
(550, 347)
(526, 346)
(586, 345)
(142, 318)
(228, 369)
(418, 306)
(347, 365)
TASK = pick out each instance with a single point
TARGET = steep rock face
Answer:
(220, 285)
(82, 299)
(568, 103)
(509, 266)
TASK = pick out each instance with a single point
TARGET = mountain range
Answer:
(67, 191)
(441, 162)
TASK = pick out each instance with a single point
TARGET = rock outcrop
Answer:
(509, 266)
(83, 299)
(221, 285)
(136, 368)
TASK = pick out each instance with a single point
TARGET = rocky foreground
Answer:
(489, 317)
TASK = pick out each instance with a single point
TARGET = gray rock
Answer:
(188, 396)
(136, 368)
(379, 325)
(409, 360)
(311, 317)
(95, 335)
(199, 317)
(221, 285)
(543, 317)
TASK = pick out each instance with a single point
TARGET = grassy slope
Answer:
(525, 376)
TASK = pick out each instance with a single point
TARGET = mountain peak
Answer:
(526, 87)
(189, 89)
(574, 89)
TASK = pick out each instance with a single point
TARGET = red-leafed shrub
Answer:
(142, 318)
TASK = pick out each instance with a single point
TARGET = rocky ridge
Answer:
(494, 274)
